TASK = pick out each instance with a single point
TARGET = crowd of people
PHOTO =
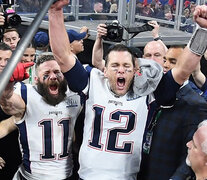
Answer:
(160, 9)
(132, 115)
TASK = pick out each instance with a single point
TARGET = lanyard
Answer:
(30, 75)
(149, 134)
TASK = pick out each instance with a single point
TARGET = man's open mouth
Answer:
(53, 89)
(120, 82)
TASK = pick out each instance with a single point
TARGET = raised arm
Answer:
(12, 103)
(198, 76)
(190, 57)
(97, 55)
(59, 41)
(155, 33)
(74, 72)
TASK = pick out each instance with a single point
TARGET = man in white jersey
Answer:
(115, 115)
(45, 115)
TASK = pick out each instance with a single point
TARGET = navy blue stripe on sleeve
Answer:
(77, 77)
(204, 87)
(24, 92)
(165, 94)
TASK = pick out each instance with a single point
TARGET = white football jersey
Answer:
(46, 134)
(113, 133)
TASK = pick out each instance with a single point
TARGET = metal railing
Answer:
(25, 40)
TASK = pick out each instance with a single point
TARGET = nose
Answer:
(53, 76)
(3, 63)
(188, 144)
(12, 41)
(121, 69)
(166, 65)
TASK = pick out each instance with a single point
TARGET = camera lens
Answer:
(14, 20)
(112, 33)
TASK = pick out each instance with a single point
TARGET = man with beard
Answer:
(46, 119)
(115, 115)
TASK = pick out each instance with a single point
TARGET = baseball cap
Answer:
(187, 3)
(73, 35)
(41, 39)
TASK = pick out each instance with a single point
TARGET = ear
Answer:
(136, 70)
(36, 79)
(71, 47)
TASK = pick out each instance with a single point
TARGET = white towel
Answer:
(151, 74)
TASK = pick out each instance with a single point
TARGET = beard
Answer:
(43, 90)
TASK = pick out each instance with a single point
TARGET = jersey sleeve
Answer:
(77, 77)
(204, 87)
(165, 94)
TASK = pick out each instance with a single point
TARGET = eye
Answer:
(114, 65)
(173, 62)
(45, 76)
(157, 55)
(7, 40)
(127, 66)
(148, 55)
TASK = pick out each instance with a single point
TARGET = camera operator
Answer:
(112, 32)
(2, 19)
(97, 55)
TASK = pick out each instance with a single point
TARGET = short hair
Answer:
(10, 30)
(203, 144)
(119, 48)
(5, 47)
(44, 57)
(150, 43)
(203, 123)
(98, 2)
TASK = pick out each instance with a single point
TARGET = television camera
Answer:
(115, 31)
(11, 18)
